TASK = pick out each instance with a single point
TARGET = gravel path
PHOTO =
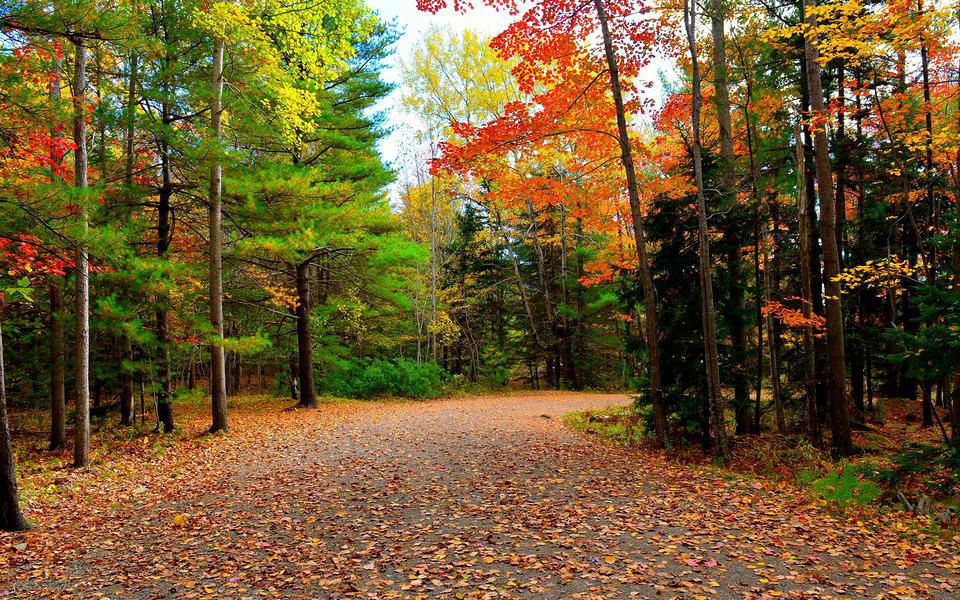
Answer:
(485, 497)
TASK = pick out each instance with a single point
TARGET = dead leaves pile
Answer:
(471, 498)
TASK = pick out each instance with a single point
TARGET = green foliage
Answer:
(494, 366)
(618, 423)
(20, 290)
(939, 466)
(373, 378)
(845, 488)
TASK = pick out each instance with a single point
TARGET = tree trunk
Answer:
(81, 448)
(841, 442)
(809, 366)
(58, 376)
(126, 387)
(218, 375)
(11, 519)
(760, 281)
(162, 316)
(714, 395)
(738, 326)
(164, 238)
(633, 193)
(292, 379)
(308, 392)
(126, 376)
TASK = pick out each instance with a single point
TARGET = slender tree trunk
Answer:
(714, 395)
(809, 367)
(813, 240)
(955, 395)
(292, 378)
(162, 316)
(773, 347)
(738, 326)
(841, 442)
(58, 376)
(11, 519)
(308, 393)
(431, 331)
(522, 288)
(81, 449)
(933, 206)
(164, 238)
(218, 375)
(633, 193)
(126, 376)
(842, 158)
(759, 284)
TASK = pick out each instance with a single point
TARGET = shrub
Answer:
(372, 378)
(845, 488)
(494, 366)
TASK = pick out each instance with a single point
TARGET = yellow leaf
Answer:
(180, 520)
(609, 559)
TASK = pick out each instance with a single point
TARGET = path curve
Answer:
(487, 497)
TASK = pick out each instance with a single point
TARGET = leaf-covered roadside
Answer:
(482, 497)
(900, 477)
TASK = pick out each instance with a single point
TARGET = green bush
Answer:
(372, 378)
(845, 488)
(494, 366)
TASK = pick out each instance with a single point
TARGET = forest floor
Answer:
(483, 497)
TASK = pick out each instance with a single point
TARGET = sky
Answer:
(412, 25)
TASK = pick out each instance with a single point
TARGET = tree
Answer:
(11, 519)
(546, 60)
(840, 421)
(81, 437)
(218, 379)
(711, 359)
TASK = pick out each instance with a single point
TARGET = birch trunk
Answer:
(218, 374)
(81, 447)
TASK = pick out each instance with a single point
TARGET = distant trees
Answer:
(865, 208)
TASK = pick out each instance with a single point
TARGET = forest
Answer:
(743, 214)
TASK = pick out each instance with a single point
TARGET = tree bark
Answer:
(633, 193)
(809, 367)
(162, 316)
(126, 387)
(58, 376)
(308, 392)
(126, 376)
(81, 448)
(712, 367)
(11, 519)
(841, 443)
(760, 282)
(738, 326)
(218, 375)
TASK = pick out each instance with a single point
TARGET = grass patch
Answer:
(616, 423)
